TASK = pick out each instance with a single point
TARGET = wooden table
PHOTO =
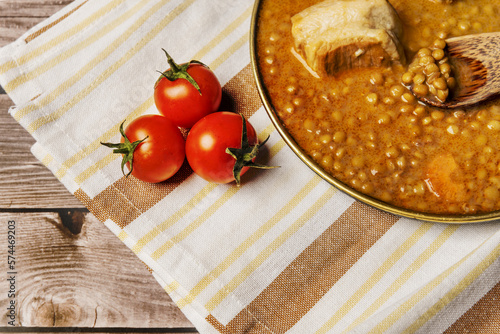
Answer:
(75, 272)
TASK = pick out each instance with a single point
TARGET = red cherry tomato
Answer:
(208, 141)
(186, 93)
(153, 148)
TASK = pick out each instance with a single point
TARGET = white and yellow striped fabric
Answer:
(284, 253)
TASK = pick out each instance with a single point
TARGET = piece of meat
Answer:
(445, 179)
(336, 35)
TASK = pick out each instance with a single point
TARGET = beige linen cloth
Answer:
(284, 253)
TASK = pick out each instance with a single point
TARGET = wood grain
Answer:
(479, 53)
(72, 272)
(25, 181)
(79, 276)
(31, 8)
(12, 28)
(17, 16)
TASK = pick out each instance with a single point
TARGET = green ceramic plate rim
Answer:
(450, 219)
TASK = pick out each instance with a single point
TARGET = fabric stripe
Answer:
(47, 27)
(220, 37)
(140, 196)
(375, 277)
(195, 224)
(218, 326)
(239, 95)
(224, 56)
(483, 317)
(199, 221)
(294, 292)
(173, 218)
(95, 168)
(127, 198)
(7, 66)
(206, 279)
(143, 241)
(71, 32)
(258, 260)
(455, 291)
(388, 321)
(96, 144)
(59, 39)
(405, 307)
(248, 99)
(122, 236)
(172, 287)
(158, 28)
(47, 160)
(405, 276)
(238, 251)
(240, 88)
(103, 55)
(110, 70)
(77, 48)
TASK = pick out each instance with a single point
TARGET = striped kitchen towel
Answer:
(284, 253)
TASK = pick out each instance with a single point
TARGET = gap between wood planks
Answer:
(71, 218)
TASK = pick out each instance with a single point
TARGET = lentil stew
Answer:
(366, 129)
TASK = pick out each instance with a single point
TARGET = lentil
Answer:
(430, 79)
(365, 126)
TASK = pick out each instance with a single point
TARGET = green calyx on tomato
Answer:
(245, 155)
(179, 71)
(126, 148)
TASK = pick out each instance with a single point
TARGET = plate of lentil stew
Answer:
(363, 130)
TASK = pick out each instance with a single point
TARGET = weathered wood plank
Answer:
(31, 8)
(24, 181)
(71, 270)
(12, 28)
(17, 16)
(84, 278)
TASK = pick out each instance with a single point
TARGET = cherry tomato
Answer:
(153, 148)
(221, 147)
(186, 93)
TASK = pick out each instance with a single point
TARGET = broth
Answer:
(367, 130)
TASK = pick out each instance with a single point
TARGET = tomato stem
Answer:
(126, 148)
(179, 71)
(245, 155)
